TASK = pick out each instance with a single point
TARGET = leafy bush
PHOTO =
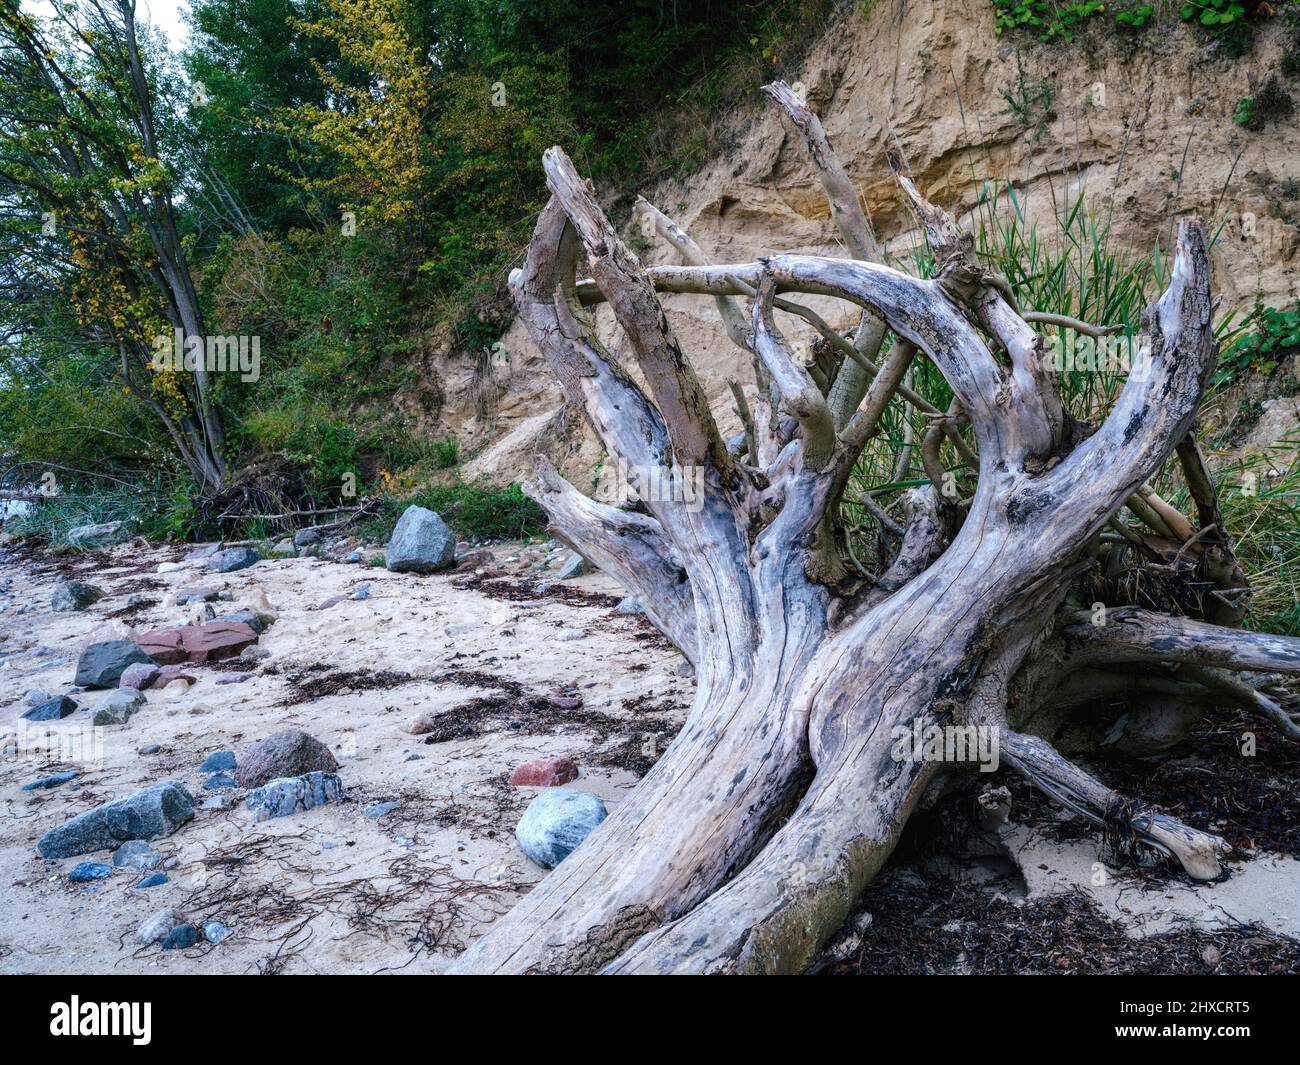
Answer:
(1274, 333)
(1218, 13)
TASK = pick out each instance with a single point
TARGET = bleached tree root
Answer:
(1035, 759)
(746, 845)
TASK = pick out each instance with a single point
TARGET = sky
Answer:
(165, 14)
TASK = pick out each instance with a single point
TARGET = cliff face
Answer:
(1145, 124)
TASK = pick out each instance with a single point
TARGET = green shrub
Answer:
(471, 508)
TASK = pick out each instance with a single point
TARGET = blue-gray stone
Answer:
(85, 872)
(136, 854)
(54, 710)
(233, 559)
(574, 566)
(290, 795)
(158, 810)
(181, 937)
(556, 822)
(52, 781)
(101, 664)
(218, 762)
(153, 881)
(215, 931)
(378, 809)
(421, 543)
(255, 621)
(219, 780)
(361, 591)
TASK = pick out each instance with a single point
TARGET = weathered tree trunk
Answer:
(747, 843)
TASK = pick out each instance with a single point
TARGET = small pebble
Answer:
(85, 872)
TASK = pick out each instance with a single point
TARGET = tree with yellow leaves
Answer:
(89, 206)
(373, 129)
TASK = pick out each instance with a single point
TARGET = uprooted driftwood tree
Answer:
(745, 846)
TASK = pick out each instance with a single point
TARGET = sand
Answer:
(328, 890)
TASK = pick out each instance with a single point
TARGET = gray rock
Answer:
(155, 927)
(305, 538)
(253, 653)
(75, 595)
(156, 880)
(218, 781)
(136, 854)
(101, 664)
(181, 937)
(233, 559)
(630, 605)
(377, 810)
(574, 566)
(200, 594)
(361, 591)
(421, 543)
(218, 762)
(54, 710)
(158, 810)
(102, 535)
(36, 696)
(119, 707)
(290, 795)
(287, 753)
(556, 822)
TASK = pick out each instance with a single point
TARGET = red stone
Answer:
(544, 773)
(197, 643)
